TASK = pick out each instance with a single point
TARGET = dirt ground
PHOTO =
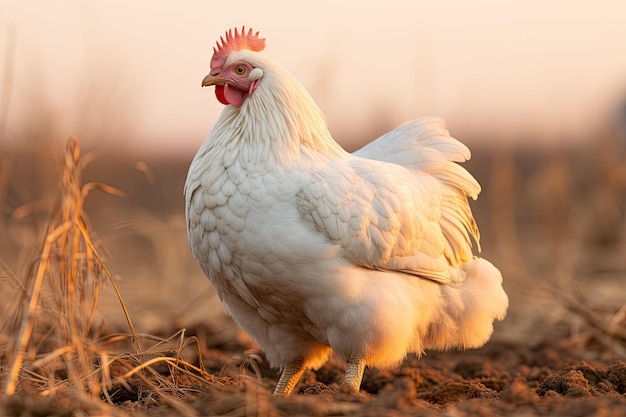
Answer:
(556, 235)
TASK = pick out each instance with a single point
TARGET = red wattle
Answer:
(219, 93)
(233, 95)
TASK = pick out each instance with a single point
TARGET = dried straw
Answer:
(57, 348)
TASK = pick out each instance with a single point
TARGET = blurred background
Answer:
(536, 89)
(499, 72)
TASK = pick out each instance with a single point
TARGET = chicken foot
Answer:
(289, 378)
(354, 373)
(291, 374)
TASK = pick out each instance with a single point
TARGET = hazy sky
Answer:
(130, 71)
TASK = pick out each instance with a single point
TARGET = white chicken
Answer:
(314, 250)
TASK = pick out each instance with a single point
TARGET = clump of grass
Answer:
(65, 285)
(58, 350)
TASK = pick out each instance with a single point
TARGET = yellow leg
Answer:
(289, 378)
(354, 373)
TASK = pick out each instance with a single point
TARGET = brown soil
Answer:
(497, 380)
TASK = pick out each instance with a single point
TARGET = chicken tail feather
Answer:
(467, 320)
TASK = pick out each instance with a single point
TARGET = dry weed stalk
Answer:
(57, 348)
(66, 284)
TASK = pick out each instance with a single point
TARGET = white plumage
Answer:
(313, 250)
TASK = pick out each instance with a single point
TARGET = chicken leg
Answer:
(354, 373)
(289, 378)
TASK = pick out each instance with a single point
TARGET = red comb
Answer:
(236, 42)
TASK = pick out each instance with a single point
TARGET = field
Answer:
(104, 312)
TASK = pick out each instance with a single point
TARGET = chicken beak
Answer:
(213, 80)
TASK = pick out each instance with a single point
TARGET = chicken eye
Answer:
(240, 69)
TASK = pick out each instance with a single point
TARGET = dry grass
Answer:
(57, 351)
